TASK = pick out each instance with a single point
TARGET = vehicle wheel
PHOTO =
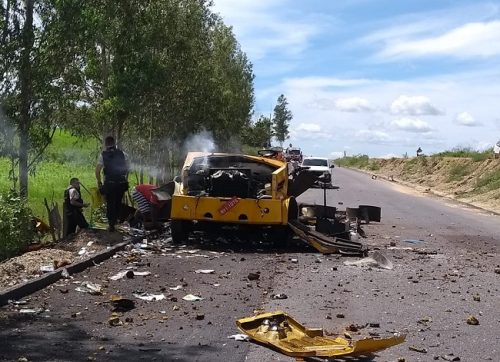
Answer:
(281, 236)
(180, 231)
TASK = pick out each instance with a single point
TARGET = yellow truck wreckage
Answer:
(278, 331)
(257, 193)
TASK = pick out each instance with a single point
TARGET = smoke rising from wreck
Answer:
(202, 142)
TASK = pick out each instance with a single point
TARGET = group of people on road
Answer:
(114, 166)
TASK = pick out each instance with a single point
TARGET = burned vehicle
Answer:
(293, 154)
(218, 189)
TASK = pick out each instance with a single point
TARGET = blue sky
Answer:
(375, 77)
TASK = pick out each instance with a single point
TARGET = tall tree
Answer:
(259, 133)
(281, 119)
(32, 66)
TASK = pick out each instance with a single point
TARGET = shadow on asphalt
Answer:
(249, 245)
(65, 341)
(368, 358)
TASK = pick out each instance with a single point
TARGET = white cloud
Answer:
(309, 131)
(325, 82)
(390, 155)
(353, 104)
(411, 125)
(263, 28)
(308, 127)
(466, 119)
(476, 39)
(372, 136)
(483, 145)
(413, 106)
(336, 154)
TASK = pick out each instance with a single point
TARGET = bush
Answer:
(16, 227)
(489, 181)
(467, 152)
(358, 161)
(458, 172)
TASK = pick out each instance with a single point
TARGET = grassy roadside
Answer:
(469, 176)
(68, 156)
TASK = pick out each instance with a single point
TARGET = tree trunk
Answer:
(26, 97)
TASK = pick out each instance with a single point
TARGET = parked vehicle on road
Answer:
(293, 154)
(320, 168)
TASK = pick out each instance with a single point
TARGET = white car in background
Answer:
(319, 166)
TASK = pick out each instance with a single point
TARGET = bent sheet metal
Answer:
(279, 331)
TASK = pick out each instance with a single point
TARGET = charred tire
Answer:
(180, 231)
(293, 209)
(280, 236)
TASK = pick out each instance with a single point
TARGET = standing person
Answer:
(113, 164)
(73, 205)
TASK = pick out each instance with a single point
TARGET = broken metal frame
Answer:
(279, 331)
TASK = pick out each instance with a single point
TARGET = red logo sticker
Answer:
(228, 205)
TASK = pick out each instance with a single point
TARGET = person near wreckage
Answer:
(148, 204)
(113, 163)
(73, 208)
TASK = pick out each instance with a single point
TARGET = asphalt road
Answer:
(444, 275)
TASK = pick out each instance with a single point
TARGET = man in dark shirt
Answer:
(113, 163)
(73, 204)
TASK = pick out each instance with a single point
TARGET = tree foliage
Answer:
(152, 73)
(281, 119)
(15, 225)
(259, 133)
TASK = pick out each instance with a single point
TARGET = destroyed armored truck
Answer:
(218, 189)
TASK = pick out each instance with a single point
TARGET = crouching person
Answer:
(73, 208)
(148, 205)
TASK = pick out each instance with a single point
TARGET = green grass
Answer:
(458, 172)
(373, 166)
(358, 161)
(489, 181)
(68, 156)
(410, 164)
(467, 152)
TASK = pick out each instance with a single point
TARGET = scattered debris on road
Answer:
(239, 337)
(279, 296)
(204, 271)
(473, 321)
(377, 259)
(192, 298)
(129, 274)
(90, 288)
(149, 297)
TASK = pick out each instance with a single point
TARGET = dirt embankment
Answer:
(463, 179)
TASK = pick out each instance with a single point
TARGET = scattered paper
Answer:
(204, 271)
(47, 268)
(192, 298)
(178, 287)
(121, 274)
(150, 297)
(64, 273)
(91, 288)
(30, 311)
